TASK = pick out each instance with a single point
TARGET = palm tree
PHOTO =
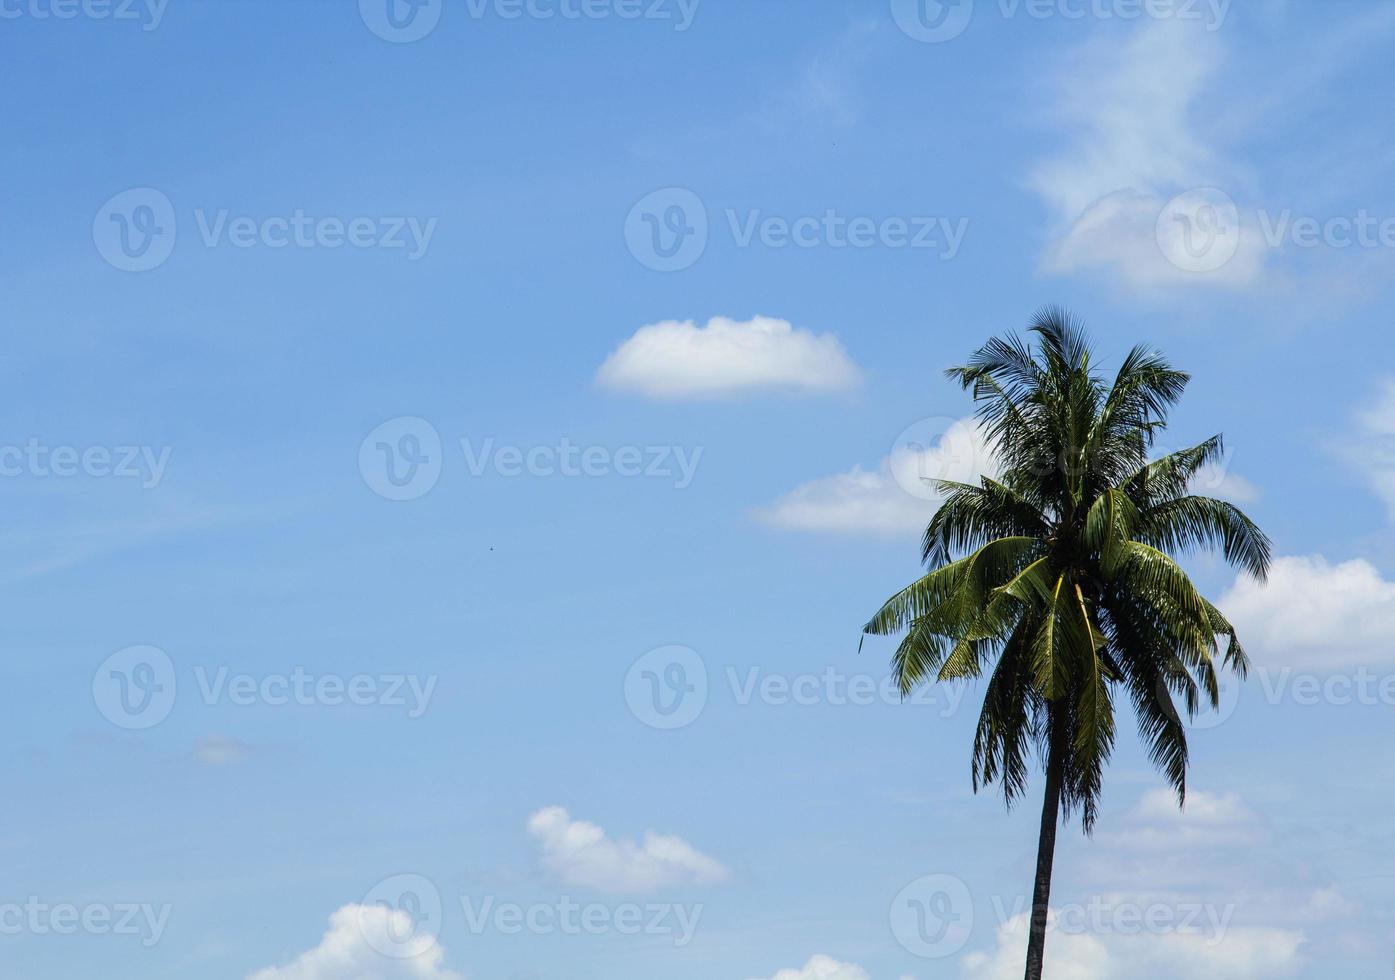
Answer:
(1056, 578)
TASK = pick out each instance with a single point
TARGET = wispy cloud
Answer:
(1150, 188)
(1128, 112)
(217, 751)
(1134, 145)
(1372, 447)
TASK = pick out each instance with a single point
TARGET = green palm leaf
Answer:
(1058, 577)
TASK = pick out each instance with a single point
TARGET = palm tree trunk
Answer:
(1046, 855)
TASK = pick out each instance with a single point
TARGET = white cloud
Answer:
(897, 497)
(1208, 820)
(581, 854)
(1068, 957)
(1135, 148)
(1240, 954)
(1150, 148)
(1217, 480)
(221, 750)
(1374, 450)
(824, 968)
(347, 951)
(1163, 893)
(1120, 233)
(677, 360)
(1168, 893)
(1312, 614)
(1379, 418)
(859, 501)
(1130, 111)
(1329, 904)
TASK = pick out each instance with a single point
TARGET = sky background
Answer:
(1189, 178)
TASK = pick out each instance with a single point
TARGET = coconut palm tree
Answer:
(1056, 580)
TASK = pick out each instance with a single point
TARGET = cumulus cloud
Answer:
(1312, 614)
(582, 854)
(899, 495)
(824, 968)
(349, 951)
(678, 360)
(1165, 893)
(1240, 955)
(1068, 957)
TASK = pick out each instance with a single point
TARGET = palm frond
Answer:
(1058, 578)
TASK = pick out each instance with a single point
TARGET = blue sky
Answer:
(405, 478)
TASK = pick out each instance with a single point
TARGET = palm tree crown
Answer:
(1056, 579)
